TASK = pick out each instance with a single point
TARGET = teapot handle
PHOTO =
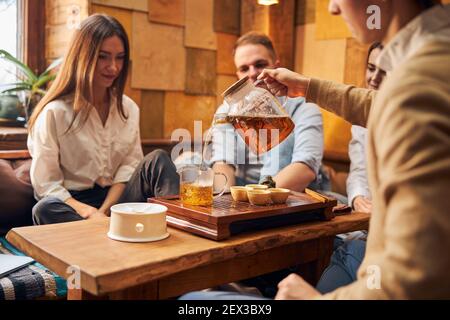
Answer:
(224, 186)
(261, 84)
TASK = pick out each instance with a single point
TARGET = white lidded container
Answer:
(138, 222)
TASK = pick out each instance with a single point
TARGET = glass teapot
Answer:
(257, 116)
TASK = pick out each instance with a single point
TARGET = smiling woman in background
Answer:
(359, 197)
(84, 134)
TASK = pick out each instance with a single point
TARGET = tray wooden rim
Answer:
(195, 213)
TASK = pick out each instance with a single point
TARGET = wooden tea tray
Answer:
(226, 217)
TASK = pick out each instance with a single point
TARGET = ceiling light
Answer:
(267, 2)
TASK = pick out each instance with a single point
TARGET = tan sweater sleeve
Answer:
(351, 103)
(411, 222)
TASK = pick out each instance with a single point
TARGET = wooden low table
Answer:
(179, 264)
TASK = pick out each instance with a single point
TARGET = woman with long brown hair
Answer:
(84, 133)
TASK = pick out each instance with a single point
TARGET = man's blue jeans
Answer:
(343, 267)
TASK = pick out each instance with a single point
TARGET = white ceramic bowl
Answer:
(138, 222)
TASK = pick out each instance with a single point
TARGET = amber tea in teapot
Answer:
(257, 131)
(257, 116)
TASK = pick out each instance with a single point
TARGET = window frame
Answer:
(31, 33)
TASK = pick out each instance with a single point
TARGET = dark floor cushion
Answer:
(16, 194)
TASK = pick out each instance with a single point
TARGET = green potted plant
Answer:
(30, 87)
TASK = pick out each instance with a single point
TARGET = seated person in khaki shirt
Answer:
(84, 134)
(408, 121)
(351, 247)
(358, 192)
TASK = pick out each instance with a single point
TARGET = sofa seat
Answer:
(16, 200)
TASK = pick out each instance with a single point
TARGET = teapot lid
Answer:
(235, 86)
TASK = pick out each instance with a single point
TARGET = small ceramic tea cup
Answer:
(239, 193)
(259, 197)
(256, 187)
(279, 195)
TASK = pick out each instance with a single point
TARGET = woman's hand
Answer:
(97, 215)
(105, 211)
(84, 210)
(362, 204)
(293, 287)
(283, 82)
(113, 196)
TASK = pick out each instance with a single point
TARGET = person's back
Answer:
(408, 151)
(408, 163)
(410, 177)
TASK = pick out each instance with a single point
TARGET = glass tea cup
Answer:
(197, 185)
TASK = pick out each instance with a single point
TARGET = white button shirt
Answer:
(90, 154)
(357, 182)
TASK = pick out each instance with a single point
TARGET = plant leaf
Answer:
(41, 92)
(52, 66)
(24, 68)
(15, 89)
(43, 80)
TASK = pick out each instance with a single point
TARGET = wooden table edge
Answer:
(100, 284)
(359, 223)
(42, 256)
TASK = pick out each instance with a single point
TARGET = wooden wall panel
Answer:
(324, 59)
(355, 63)
(227, 16)
(134, 94)
(225, 60)
(254, 17)
(277, 21)
(57, 40)
(327, 25)
(159, 58)
(199, 31)
(200, 72)
(223, 83)
(57, 11)
(319, 58)
(281, 31)
(305, 12)
(152, 114)
(61, 15)
(166, 11)
(138, 5)
(182, 110)
(122, 15)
